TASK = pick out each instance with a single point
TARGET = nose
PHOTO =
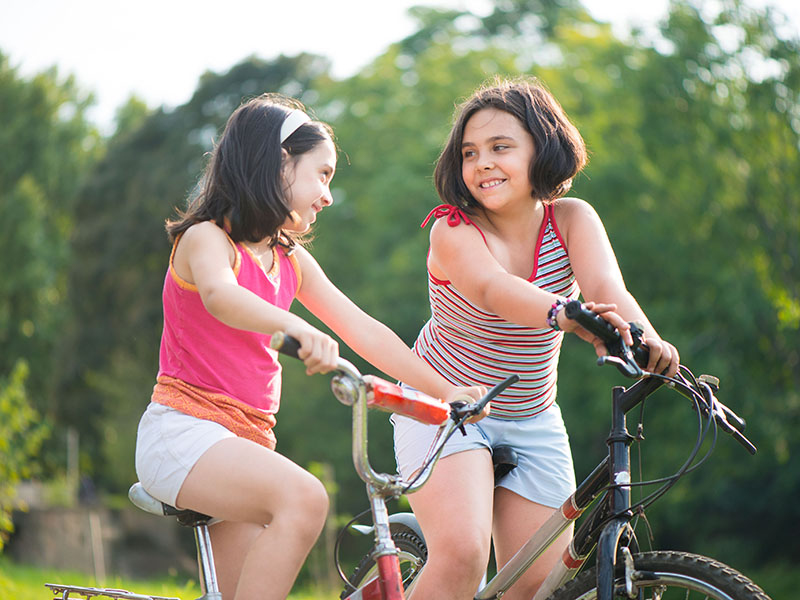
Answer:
(484, 163)
(327, 197)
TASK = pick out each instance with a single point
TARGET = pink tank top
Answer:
(204, 352)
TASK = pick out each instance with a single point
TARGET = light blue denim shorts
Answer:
(545, 473)
(168, 444)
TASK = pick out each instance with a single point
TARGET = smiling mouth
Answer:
(486, 185)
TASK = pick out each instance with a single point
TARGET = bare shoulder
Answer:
(312, 274)
(205, 242)
(204, 232)
(304, 258)
(566, 209)
(576, 215)
(443, 233)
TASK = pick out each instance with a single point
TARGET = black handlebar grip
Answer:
(285, 344)
(592, 322)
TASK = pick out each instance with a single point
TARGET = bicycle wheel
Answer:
(670, 575)
(412, 554)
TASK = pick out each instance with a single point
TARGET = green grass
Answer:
(20, 582)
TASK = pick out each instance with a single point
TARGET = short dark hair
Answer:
(559, 150)
(242, 181)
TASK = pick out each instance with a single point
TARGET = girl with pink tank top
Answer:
(205, 441)
(507, 251)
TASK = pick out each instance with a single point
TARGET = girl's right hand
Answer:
(470, 394)
(606, 311)
(318, 351)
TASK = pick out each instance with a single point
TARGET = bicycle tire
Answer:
(677, 575)
(412, 554)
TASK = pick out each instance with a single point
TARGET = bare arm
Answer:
(205, 257)
(460, 255)
(598, 274)
(367, 336)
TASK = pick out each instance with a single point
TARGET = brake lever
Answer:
(628, 368)
(461, 411)
(719, 412)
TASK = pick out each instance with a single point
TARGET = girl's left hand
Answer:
(664, 357)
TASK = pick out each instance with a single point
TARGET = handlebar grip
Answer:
(285, 344)
(633, 359)
(592, 322)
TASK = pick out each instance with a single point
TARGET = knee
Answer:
(308, 502)
(461, 559)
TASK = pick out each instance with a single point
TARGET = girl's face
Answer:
(496, 154)
(309, 178)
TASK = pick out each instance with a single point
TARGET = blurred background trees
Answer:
(694, 169)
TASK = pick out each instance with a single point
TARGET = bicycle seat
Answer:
(505, 460)
(141, 499)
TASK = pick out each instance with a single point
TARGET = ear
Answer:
(287, 165)
(286, 159)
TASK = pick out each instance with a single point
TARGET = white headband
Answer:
(292, 122)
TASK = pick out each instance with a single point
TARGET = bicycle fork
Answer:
(388, 584)
(619, 441)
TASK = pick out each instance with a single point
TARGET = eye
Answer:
(468, 154)
(500, 147)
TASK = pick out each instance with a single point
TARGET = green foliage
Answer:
(21, 436)
(694, 141)
(47, 145)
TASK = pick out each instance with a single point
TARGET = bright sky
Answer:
(158, 49)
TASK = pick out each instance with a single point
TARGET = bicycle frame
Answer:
(593, 532)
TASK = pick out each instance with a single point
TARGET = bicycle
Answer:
(360, 392)
(621, 570)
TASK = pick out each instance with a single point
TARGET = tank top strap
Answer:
(550, 217)
(455, 216)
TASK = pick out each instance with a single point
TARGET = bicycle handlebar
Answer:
(630, 360)
(391, 397)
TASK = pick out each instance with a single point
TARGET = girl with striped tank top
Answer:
(205, 441)
(507, 251)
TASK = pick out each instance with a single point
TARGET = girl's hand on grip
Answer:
(664, 357)
(470, 394)
(607, 312)
(318, 351)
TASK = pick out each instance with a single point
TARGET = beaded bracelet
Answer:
(552, 314)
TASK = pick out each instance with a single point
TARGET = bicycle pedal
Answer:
(65, 592)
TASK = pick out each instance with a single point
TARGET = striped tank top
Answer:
(470, 346)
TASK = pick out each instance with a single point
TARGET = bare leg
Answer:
(515, 520)
(249, 486)
(454, 510)
(231, 541)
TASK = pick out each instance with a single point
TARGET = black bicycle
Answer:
(621, 570)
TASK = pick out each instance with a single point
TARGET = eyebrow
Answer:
(494, 138)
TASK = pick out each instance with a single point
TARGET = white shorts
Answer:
(168, 444)
(545, 473)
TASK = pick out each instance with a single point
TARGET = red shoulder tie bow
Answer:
(454, 215)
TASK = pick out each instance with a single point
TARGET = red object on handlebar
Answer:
(405, 401)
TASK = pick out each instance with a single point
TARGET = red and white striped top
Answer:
(470, 346)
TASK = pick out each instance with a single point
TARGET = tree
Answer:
(21, 436)
(47, 145)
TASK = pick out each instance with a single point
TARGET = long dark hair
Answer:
(242, 185)
(559, 150)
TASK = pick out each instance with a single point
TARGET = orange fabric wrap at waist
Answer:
(240, 418)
